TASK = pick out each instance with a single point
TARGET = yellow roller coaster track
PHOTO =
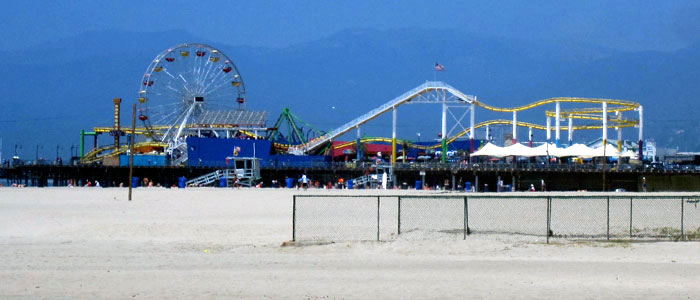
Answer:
(619, 123)
(99, 153)
(614, 105)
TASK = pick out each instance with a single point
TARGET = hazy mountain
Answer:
(53, 90)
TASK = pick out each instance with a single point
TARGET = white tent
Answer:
(610, 151)
(578, 150)
(629, 154)
(546, 150)
(490, 150)
(518, 149)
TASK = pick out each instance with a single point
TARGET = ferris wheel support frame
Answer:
(207, 71)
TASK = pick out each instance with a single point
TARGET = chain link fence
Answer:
(456, 216)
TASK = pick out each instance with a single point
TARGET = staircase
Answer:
(248, 175)
(205, 179)
(361, 180)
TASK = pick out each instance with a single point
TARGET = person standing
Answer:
(304, 181)
(543, 186)
(644, 184)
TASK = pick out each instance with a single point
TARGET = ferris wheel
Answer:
(188, 86)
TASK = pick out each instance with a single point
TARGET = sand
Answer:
(90, 243)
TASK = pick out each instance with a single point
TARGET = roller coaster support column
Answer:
(444, 129)
(488, 134)
(529, 134)
(571, 130)
(393, 136)
(557, 120)
(619, 135)
(471, 129)
(605, 124)
(641, 128)
(515, 127)
(360, 155)
(549, 130)
(117, 123)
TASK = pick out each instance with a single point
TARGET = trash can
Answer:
(222, 182)
(134, 182)
(181, 182)
(419, 185)
(468, 186)
(290, 183)
(349, 184)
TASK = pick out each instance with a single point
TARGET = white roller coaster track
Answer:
(430, 86)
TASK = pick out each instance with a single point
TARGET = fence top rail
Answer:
(688, 196)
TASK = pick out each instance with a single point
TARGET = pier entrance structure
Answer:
(607, 114)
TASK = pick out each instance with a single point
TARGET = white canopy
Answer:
(629, 153)
(490, 150)
(610, 151)
(547, 150)
(518, 149)
(579, 150)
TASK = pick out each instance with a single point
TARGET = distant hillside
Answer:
(54, 90)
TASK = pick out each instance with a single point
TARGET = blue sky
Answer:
(624, 25)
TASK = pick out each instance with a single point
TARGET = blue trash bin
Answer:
(222, 182)
(181, 182)
(349, 184)
(419, 185)
(134, 182)
(290, 183)
(468, 186)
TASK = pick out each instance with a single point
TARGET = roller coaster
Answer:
(442, 93)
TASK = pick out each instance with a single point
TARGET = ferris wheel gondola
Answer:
(180, 91)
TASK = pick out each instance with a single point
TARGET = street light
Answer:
(58, 157)
(37, 151)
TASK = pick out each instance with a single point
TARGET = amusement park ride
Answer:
(196, 90)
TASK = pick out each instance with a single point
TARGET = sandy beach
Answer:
(91, 243)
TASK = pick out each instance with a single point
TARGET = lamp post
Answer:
(37, 151)
(58, 157)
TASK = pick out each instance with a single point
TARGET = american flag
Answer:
(439, 67)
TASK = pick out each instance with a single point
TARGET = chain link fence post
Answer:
(466, 217)
(378, 203)
(630, 216)
(608, 222)
(399, 216)
(294, 218)
(682, 212)
(549, 217)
